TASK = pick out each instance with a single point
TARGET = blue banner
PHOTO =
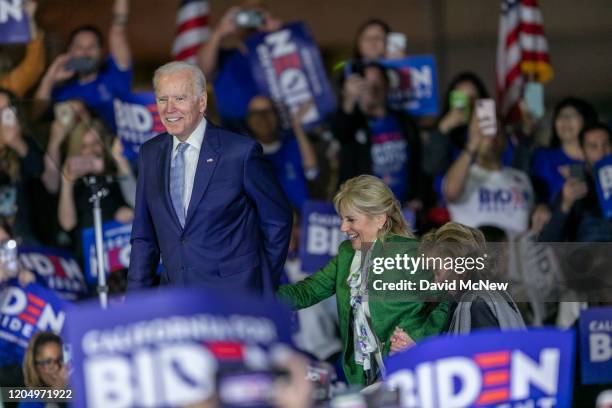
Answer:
(137, 121)
(116, 238)
(14, 22)
(603, 183)
(164, 348)
(23, 312)
(287, 67)
(320, 235)
(595, 328)
(486, 369)
(55, 269)
(413, 84)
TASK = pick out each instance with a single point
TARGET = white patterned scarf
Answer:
(365, 342)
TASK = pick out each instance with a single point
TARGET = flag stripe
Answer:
(522, 51)
(192, 29)
(197, 22)
(187, 52)
(189, 38)
(197, 8)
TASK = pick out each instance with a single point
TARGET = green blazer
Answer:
(387, 309)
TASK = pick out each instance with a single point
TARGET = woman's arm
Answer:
(117, 36)
(307, 152)
(313, 289)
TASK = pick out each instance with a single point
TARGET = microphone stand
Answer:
(98, 192)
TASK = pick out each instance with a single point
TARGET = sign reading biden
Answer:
(26, 310)
(596, 345)
(287, 67)
(137, 121)
(57, 269)
(14, 22)
(413, 84)
(501, 369)
(164, 348)
(603, 185)
(117, 248)
(320, 235)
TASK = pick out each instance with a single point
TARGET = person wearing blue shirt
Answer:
(229, 68)
(293, 158)
(576, 213)
(83, 73)
(376, 140)
(547, 164)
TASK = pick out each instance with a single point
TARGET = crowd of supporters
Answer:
(534, 175)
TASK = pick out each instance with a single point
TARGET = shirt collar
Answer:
(195, 139)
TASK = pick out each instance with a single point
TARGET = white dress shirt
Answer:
(192, 153)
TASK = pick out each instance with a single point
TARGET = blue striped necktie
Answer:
(177, 182)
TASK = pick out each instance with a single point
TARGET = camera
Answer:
(249, 19)
(81, 65)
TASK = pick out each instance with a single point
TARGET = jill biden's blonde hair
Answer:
(369, 195)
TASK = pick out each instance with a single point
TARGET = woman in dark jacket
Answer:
(21, 162)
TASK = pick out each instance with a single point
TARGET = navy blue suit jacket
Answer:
(238, 222)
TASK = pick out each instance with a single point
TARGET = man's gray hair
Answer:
(199, 80)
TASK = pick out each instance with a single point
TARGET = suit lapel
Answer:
(164, 158)
(209, 154)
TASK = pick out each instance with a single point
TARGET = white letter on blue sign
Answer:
(12, 8)
(279, 41)
(525, 372)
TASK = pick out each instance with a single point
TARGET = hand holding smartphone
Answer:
(396, 45)
(64, 114)
(534, 99)
(486, 116)
(83, 165)
(460, 100)
(9, 118)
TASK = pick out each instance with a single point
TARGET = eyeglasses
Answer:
(50, 363)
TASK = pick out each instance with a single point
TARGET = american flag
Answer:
(191, 29)
(522, 53)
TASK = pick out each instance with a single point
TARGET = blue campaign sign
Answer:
(137, 121)
(116, 238)
(320, 235)
(287, 67)
(14, 22)
(25, 311)
(595, 328)
(55, 269)
(413, 84)
(488, 368)
(163, 348)
(603, 184)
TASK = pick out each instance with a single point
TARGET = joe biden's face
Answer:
(180, 105)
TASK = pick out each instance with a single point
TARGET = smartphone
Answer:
(461, 101)
(84, 165)
(396, 45)
(487, 117)
(81, 65)
(577, 171)
(8, 257)
(249, 19)
(9, 118)
(64, 114)
(533, 95)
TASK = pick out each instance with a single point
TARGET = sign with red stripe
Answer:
(487, 368)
